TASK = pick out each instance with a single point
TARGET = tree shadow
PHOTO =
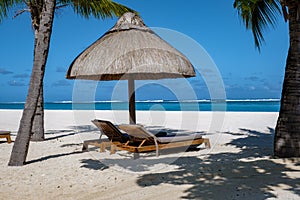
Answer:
(4, 140)
(93, 164)
(254, 144)
(71, 145)
(145, 163)
(72, 131)
(84, 128)
(58, 134)
(64, 133)
(52, 157)
(230, 175)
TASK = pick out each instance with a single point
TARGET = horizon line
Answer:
(160, 101)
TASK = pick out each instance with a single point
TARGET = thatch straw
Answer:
(130, 49)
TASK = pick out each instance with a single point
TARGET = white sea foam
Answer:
(158, 101)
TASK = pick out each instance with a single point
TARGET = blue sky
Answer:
(215, 25)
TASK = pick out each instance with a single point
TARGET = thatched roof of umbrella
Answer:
(130, 50)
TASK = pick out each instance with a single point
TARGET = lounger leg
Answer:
(207, 143)
(113, 149)
(136, 156)
(102, 147)
(8, 138)
(85, 146)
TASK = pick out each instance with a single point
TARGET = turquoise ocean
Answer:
(248, 105)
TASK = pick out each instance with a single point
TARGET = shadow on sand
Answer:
(227, 175)
(52, 157)
(58, 134)
(249, 173)
(93, 164)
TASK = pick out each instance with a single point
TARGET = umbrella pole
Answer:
(131, 97)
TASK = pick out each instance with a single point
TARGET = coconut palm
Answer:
(42, 15)
(258, 15)
(37, 133)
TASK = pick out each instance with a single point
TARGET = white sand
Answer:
(238, 166)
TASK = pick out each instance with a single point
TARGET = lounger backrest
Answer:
(110, 130)
(137, 131)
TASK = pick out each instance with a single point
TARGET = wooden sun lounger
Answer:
(136, 139)
(5, 134)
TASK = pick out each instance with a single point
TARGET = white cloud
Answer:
(5, 72)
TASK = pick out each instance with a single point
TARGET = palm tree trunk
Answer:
(37, 133)
(287, 132)
(21, 145)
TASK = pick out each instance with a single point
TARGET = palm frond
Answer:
(6, 5)
(96, 8)
(258, 15)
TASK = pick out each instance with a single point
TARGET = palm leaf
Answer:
(6, 5)
(97, 8)
(258, 15)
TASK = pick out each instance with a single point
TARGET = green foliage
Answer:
(258, 15)
(86, 8)
(96, 8)
(6, 5)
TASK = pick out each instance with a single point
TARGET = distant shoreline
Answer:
(248, 105)
(158, 100)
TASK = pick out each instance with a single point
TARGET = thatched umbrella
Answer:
(130, 51)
